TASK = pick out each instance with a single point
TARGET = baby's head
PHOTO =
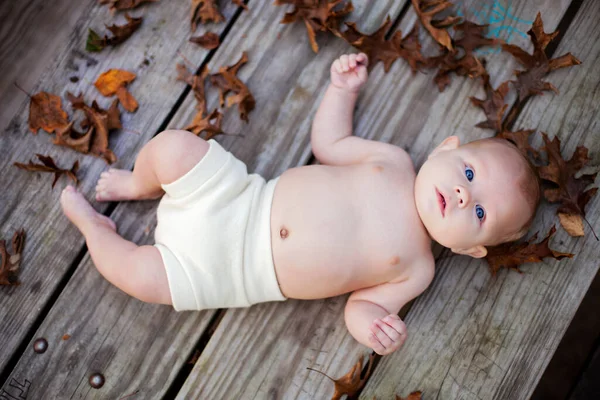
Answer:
(479, 194)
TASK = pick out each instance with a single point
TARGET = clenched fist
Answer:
(387, 334)
(349, 72)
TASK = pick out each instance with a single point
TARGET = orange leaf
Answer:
(11, 262)
(110, 81)
(350, 383)
(127, 100)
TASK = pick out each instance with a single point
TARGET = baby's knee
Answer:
(175, 152)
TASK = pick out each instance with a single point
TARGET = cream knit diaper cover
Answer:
(214, 235)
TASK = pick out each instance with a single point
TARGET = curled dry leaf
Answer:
(227, 81)
(209, 40)
(204, 11)
(118, 5)
(529, 82)
(350, 383)
(512, 255)
(11, 262)
(377, 48)
(121, 33)
(113, 82)
(211, 123)
(100, 121)
(318, 15)
(569, 191)
(48, 165)
(493, 105)
(46, 112)
(426, 10)
(521, 140)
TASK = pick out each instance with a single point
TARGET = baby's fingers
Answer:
(345, 62)
(362, 58)
(337, 65)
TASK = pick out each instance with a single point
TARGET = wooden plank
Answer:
(474, 336)
(240, 364)
(24, 50)
(27, 200)
(103, 343)
(589, 385)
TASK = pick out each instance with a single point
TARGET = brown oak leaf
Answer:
(70, 137)
(48, 165)
(493, 105)
(204, 11)
(227, 81)
(569, 191)
(377, 48)
(512, 255)
(201, 121)
(120, 34)
(209, 40)
(102, 122)
(11, 262)
(118, 5)
(521, 140)
(318, 15)
(529, 82)
(46, 112)
(471, 36)
(350, 383)
(113, 82)
(426, 10)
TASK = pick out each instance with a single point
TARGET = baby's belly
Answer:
(317, 234)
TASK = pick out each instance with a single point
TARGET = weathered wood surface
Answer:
(27, 200)
(26, 47)
(589, 385)
(473, 336)
(396, 107)
(107, 343)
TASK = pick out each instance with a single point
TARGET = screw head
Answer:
(97, 380)
(40, 345)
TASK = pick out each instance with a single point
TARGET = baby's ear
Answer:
(450, 143)
(475, 251)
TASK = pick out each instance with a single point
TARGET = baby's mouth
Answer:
(441, 202)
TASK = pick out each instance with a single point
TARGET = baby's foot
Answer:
(116, 184)
(81, 213)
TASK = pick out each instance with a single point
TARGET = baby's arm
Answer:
(371, 313)
(331, 137)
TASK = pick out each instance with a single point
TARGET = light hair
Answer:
(528, 183)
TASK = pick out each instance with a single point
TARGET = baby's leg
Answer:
(136, 270)
(164, 159)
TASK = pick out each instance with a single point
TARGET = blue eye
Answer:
(469, 173)
(480, 212)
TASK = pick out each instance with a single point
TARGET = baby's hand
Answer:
(349, 72)
(387, 334)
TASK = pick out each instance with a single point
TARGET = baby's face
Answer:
(467, 196)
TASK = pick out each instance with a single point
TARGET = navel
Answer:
(284, 233)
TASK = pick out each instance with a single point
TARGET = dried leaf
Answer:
(45, 112)
(569, 191)
(493, 105)
(377, 48)
(426, 10)
(201, 122)
(471, 37)
(119, 5)
(48, 165)
(350, 383)
(113, 82)
(11, 262)
(66, 336)
(512, 255)
(447, 62)
(572, 223)
(226, 80)
(529, 82)
(317, 15)
(209, 40)
(204, 11)
(121, 33)
(521, 140)
(69, 137)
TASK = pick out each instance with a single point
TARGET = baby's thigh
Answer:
(176, 152)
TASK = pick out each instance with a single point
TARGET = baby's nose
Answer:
(462, 195)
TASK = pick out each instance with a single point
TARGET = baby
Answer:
(361, 222)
